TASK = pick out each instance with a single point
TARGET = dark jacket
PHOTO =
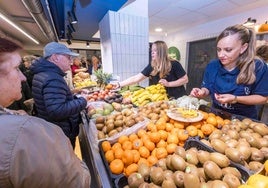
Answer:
(53, 99)
(26, 94)
(35, 153)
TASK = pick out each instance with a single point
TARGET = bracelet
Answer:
(234, 100)
(118, 84)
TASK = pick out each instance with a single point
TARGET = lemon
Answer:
(258, 181)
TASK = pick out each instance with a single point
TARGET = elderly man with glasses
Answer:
(53, 98)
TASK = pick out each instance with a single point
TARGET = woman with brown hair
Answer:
(236, 81)
(95, 65)
(162, 70)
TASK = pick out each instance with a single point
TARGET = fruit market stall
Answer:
(146, 141)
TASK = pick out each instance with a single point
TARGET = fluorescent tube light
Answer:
(18, 28)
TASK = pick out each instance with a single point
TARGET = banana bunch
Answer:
(85, 83)
(140, 97)
(158, 92)
(151, 93)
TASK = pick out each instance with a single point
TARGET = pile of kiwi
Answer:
(116, 122)
(242, 141)
(155, 110)
(190, 168)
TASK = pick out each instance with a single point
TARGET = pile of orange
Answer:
(144, 147)
(156, 142)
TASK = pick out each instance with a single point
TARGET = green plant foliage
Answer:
(102, 77)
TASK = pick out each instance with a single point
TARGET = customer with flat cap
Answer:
(53, 98)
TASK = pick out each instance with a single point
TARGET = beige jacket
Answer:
(36, 154)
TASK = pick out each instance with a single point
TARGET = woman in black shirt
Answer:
(162, 70)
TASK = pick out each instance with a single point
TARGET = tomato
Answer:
(95, 97)
(105, 92)
(101, 97)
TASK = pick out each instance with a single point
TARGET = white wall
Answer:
(137, 8)
(124, 39)
(209, 30)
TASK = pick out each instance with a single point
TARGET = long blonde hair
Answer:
(162, 65)
(245, 61)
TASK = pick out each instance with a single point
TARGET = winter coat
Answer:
(35, 153)
(53, 99)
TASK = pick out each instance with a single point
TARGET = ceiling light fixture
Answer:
(159, 29)
(70, 28)
(18, 28)
(250, 22)
(88, 44)
(69, 37)
(72, 17)
(69, 42)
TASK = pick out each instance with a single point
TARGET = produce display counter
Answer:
(92, 157)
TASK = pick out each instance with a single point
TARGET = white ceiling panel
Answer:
(194, 4)
(243, 2)
(155, 6)
(195, 17)
(172, 12)
(172, 15)
(214, 10)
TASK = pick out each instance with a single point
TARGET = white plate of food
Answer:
(185, 115)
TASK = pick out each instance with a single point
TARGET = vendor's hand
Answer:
(197, 92)
(164, 82)
(224, 98)
(116, 85)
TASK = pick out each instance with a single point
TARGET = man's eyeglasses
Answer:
(67, 56)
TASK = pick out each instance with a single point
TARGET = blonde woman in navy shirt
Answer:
(236, 81)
